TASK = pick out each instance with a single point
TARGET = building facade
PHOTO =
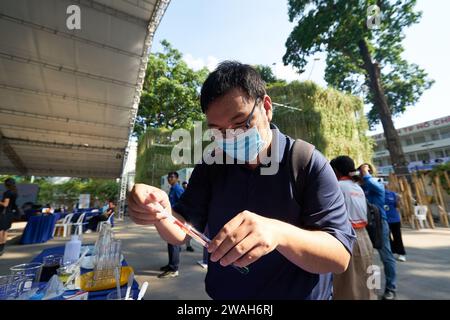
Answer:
(425, 145)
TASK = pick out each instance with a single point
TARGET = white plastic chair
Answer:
(65, 224)
(420, 212)
(100, 225)
(79, 224)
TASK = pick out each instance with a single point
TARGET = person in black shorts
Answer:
(7, 208)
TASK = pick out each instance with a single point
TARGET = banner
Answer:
(84, 201)
(27, 193)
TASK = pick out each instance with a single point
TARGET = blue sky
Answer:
(255, 32)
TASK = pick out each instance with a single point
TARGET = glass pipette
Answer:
(197, 236)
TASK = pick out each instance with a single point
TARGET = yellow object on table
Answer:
(86, 280)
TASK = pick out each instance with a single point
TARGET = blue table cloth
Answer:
(94, 295)
(39, 229)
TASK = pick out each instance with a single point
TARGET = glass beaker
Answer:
(32, 272)
(49, 267)
(11, 286)
(123, 291)
(68, 274)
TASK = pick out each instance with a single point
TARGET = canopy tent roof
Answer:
(68, 98)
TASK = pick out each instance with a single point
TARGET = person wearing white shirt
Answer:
(352, 284)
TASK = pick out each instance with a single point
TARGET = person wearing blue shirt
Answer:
(394, 221)
(375, 194)
(291, 245)
(171, 269)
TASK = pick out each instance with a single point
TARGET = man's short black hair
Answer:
(184, 182)
(343, 164)
(173, 173)
(230, 75)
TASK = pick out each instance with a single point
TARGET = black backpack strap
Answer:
(299, 157)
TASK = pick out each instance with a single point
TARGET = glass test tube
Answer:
(199, 237)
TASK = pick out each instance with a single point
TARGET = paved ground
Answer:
(426, 274)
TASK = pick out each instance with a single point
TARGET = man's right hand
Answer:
(144, 204)
(364, 170)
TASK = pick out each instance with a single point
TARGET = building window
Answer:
(419, 139)
(409, 141)
(381, 146)
(435, 136)
(412, 157)
(439, 153)
(424, 156)
(445, 134)
(447, 152)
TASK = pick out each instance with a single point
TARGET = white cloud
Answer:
(285, 72)
(210, 62)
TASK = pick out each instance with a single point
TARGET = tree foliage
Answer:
(331, 120)
(170, 96)
(338, 27)
(267, 75)
(68, 192)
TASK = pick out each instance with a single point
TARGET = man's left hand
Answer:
(244, 239)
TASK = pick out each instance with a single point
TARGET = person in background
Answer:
(189, 246)
(375, 194)
(352, 284)
(204, 262)
(94, 221)
(188, 242)
(29, 210)
(105, 207)
(171, 269)
(48, 209)
(7, 208)
(394, 221)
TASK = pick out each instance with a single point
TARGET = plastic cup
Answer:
(32, 272)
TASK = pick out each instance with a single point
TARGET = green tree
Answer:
(102, 189)
(363, 52)
(331, 120)
(170, 96)
(68, 193)
(267, 74)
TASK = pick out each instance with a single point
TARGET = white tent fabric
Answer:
(68, 98)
